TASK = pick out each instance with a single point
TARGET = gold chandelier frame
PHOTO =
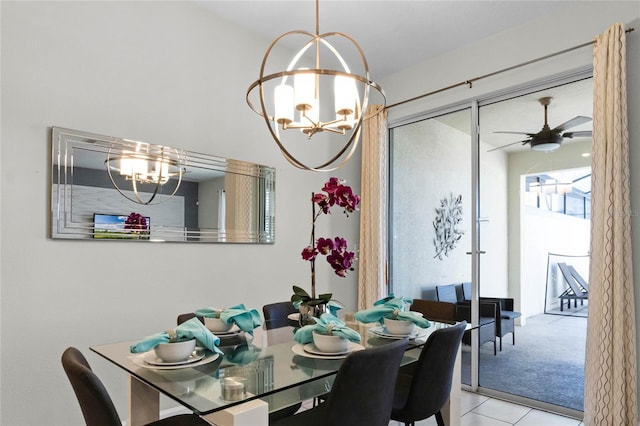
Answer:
(316, 127)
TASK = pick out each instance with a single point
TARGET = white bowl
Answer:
(330, 343)
(217, 325)
(400, 327)
(175, 352)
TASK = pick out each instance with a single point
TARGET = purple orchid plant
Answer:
(335, 193)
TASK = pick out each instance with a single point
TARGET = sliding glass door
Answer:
(477, 202)
(431, 207)
(535, 204)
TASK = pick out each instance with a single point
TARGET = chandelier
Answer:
(150, 170)
(317, 95)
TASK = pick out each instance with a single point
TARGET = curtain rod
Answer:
(471, 80)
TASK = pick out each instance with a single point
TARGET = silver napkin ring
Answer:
(395, 313)
(173, 336)
(330, 328)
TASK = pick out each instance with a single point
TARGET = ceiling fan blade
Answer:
(509, 144)
(575, 121)
(516, 133)
(584, 134)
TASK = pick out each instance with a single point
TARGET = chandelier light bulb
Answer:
(345, 95)
(283, 99)
(304, 91)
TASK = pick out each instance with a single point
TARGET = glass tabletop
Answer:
(270, 363)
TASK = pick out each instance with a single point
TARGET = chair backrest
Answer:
(466, 291)
(435, 310)
(433, 375)
(186, 317)
(275, 314)
(362, 393)
(95, 402)
(447, 293)
(578, 277)
(570, 279)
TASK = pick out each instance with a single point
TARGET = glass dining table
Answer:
(274, 370)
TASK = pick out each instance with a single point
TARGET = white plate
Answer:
(232, 332)
(313, 349)
(142, 360)
(381, 331)
(294, 317)
(194, 357)
(298, 349)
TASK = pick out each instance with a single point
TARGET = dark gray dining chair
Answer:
(186, 317)
(423, 387)
(275, 314)
(360, 394)
(95, 402)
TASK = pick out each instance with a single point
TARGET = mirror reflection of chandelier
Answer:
(316, 94)
(147, 168)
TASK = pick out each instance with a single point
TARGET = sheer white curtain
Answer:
(610, 362)
(372, 258)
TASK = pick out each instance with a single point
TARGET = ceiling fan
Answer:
(547, 139)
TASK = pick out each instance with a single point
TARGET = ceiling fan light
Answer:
(545, 146)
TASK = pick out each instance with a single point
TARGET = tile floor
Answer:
(480, 410)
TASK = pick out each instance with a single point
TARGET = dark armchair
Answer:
(489, 315)
(505, 322)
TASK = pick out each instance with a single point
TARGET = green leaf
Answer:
(300, 291)
(326, 296)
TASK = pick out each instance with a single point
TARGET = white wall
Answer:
(431, 161)
(527, 275)
(562, 234)
(162, 72)
(577, 23)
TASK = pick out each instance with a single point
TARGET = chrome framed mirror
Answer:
(109, 188)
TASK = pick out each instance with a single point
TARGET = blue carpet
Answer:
(546, 363)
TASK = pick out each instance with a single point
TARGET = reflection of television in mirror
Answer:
(112, 226)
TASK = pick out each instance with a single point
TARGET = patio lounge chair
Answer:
(575, 292)
(583, 283)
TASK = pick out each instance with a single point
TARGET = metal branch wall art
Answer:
(448, 217)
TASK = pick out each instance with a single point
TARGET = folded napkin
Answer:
(405, 300)
(392, 309)
(326, 324)
(246, 320)
(192, 329)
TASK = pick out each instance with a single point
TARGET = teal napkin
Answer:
(392, 309)
(246, 320)
(326, 324)
(405, 300)
(192, 329)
